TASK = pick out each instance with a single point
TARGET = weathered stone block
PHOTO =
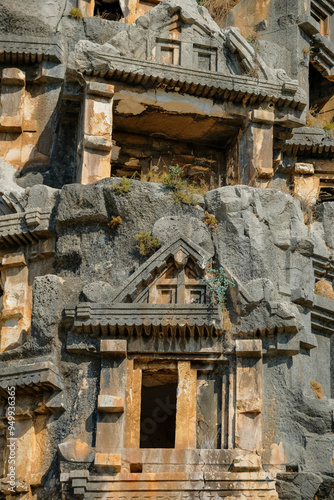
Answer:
(116, 348)
(108, 462)
(13, 76)
(248, 348)
(110, 404)
(304, 168)
(13, 260)
(100, 89)
(262, 116)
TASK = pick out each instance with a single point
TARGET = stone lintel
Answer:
(13, 76)
(101, 89)
(108, 462)
(116, 348)
(110, 404)
(248, 348)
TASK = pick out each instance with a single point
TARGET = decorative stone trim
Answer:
(322, 56)
(43, 374)
(193, 82)
(30, 50)
(24, 227)
(100, 317)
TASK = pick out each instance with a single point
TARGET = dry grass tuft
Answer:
(218, 8)
(146, 243)
(317, 389)
(325, 289)
(123, 187)
(115, 222)
(76, 13)
(307, 207)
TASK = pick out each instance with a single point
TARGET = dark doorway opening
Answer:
(158, 409)
(108, 9)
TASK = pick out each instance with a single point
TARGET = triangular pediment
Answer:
(159, 278)
(181, 33)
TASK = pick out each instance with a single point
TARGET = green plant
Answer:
(210, 220)
(76, 13)
(146, 243)
(115, 221)
(173, 178)
(182, 191)
(123, 187)
(329, 126)
(218, 284)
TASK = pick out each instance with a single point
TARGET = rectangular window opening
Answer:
(158, 408)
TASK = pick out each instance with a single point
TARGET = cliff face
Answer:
(166, 304)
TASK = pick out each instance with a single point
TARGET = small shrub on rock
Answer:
(76, 13)
(115, 222)
(123, 187)
(181, 190)
(210, 220)
(146, 243)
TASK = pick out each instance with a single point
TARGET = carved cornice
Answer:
(147, 318)
(29, 50)
(322, 56)
(25, 227)
(237, 88)
(42, 374)
(310, 141)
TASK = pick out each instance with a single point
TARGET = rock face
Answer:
(165, 332)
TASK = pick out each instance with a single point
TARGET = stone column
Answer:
(249, 389)
(256, 149)
(109, 435)
(16, 301)
(96, 134)
(133, 406)
(12, 100)
(185, 432)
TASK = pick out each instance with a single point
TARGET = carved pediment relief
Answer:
(170, 276)
(179, 34)
(166, 293)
